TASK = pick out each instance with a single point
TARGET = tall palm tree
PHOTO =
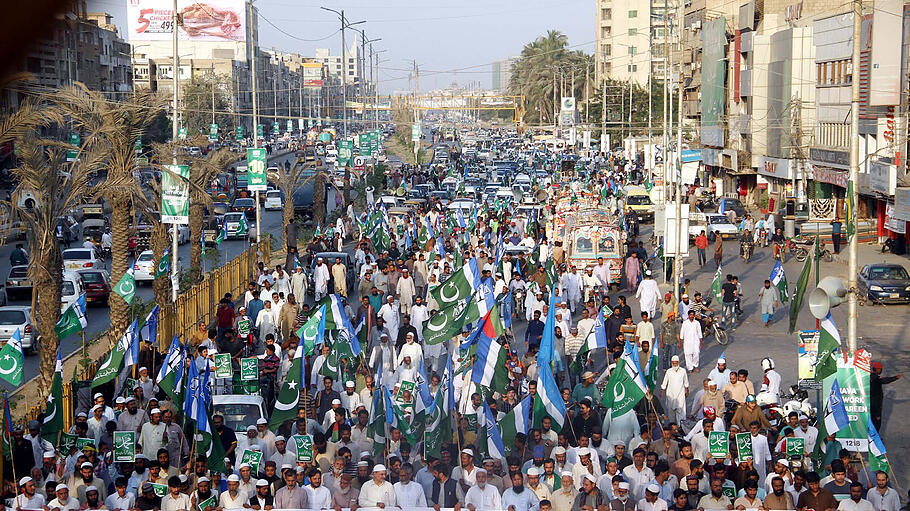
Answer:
(118, 125)
(57, 186)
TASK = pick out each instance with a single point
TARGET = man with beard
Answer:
(347, 496)
(778, 498)
(377, 492)
(81, 480)
(133, 418)
(202, 494)
(318, 496)
(63, 502)
(542, 491)
(622, 502)
(716, 499)
(589, 498)
(408, 494)
(481, 495)
(28, 498)
(444, 490)
(92, 499)
(518, 498)
(262, 500)
(693, 494)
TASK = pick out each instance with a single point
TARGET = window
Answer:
(606, 14)
(633, 32)
(834, 73)
(606, 50)
(605, 32)
(631, 50)
(633, 14)
(633, 68)
(659, 32)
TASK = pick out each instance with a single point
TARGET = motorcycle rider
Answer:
(107, 241)
(746, 245)
(18, 256)
(771, 379)
(779, 242)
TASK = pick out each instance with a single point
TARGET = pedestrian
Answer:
(835, 234)
(675, 390)
(648, 294)
(718, 251)
(633, 271)
(876, 381)
(701, 243)
(690, 340)
(769, 299)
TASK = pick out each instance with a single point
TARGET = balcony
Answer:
(691, 108)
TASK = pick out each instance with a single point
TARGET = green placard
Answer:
(275, 128)
(238, 132)
(82, 442)
(175, 194)
(223, 368)
(744, 446)
(253, 458)
(719, 444)
(404, 386)
(855, 390)
(415, 133)
(256, 171)
(290, 125)
(181, 133)
(160, 489)
(72, 154)
(124, 446)
(211, 501)
(249, 369)
(213, 132)
(796, 446)
(67, 443)
(345, 152)
(730, 492)
(244, 327)
(259, 131)
(304, 444)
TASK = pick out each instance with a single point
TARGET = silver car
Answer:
(17, 316)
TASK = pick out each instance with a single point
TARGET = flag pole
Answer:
(9, 438)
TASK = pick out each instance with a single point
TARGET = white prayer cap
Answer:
(233, 478)
(533, 471)
(379, 468)
(591, 478)
(653, 488)
(25, 480)
(280, 438)
(154, 411)
(566, 473)
(559, 450)
(469, 452)
(624, 485)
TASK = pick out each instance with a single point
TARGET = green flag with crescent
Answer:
(53, 411)
(126, 287)
(288, 400)
(12, 359)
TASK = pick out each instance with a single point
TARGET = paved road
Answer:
(98, 315)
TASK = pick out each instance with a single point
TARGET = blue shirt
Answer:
(254, 307)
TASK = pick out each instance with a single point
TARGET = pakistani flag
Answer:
(376, 429)
(490, 367)
(210, 444)
(286, 404)
(548, 402)
(394, 416)
(313, 331)
(596, 339)
(12, 359)
(242, 227)
(53, 412)
(126, 288)
(459, 286)
(439, 420)
(779, 280)
(877, 452)
(222, 234)
(828, 343)
(72, 321)
(170, 377)
(652, 366)
(164, 265)
(447, 322)
(110, 368)
(626, 385)
(801, 284)
(716, 286)
(518, 420)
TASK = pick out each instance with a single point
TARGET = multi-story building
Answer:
(352, 65)
(630, 39)
(502, 74)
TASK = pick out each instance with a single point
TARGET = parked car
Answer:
(18, 285)
(97, 285)
(19, 317)
(232, 223)
(144, 267)
(81, 258)
(728, 204)
(884, 283)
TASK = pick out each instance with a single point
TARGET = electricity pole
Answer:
(255, 120)
(853, 198)
(174, 132)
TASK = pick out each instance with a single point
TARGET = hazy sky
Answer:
(464, 35)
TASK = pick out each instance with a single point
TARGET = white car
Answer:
(81, 259)
(144, 267)
(232, 222)
(71, 289)
(273, 200)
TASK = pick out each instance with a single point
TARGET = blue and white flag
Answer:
(495, 447)
(149, 332)
(131, 356)
(836, 417)
(876, 446)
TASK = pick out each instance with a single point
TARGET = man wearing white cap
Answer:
(350, 399)
(28, 498)
(249, 440)
(810, 433)
(282, 454)
(622, 502)
(263, 498)
(674, 390)
(720, 374)
(63, 500)
(266, 437)
(151, 436)
(690, 336)
(540, 489)
(377, 492)
(481, 496)
(98, 399)
(518, 497)
(466, 474)
(589, 496)
(147, 383)
(132, 418)
(233, 498)
(563, 498)
(585, 466)
(652, 501)
(290, 496)
(648, 294)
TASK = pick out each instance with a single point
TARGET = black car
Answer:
(884, 283)
(244, 205)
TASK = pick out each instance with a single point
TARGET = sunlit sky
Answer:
(451, 41)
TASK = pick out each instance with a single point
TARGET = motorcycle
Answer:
(519, 296)
(799, 248)
(745, 249)
(710, 326)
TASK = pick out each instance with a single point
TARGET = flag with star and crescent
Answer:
(126, 287)
(286, 405)
(12, 359)
(53, 412)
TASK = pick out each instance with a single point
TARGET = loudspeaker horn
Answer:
(829, 293)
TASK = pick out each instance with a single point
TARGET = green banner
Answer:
(853, 380)
(72, 154)
(719, 444)
(253, 458)
(345, 152)
(275, 128)
(402, 387)
(223, 367)
(744, 446)
(249, 369)
(124, 446)
(238, 133)
(213, 132)
(290, 125)
(82, 442)
(160, 489)
(304, 444)
(181, 133)
(175, 194)
(256, 171)
(67, 443)
(209, 502)
(796, 447)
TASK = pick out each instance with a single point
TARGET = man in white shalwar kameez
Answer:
(389, 314)
(648, 294)
(675, 389)
(321, 279)
(571, 285)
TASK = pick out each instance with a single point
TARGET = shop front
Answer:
(774, 181)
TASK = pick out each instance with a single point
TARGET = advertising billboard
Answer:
(203, 20)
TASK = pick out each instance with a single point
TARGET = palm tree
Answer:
(118, 126)
(57, 186)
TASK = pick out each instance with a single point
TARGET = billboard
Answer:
(204, 20)
(713, 95)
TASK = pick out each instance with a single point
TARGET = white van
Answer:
(71, 289)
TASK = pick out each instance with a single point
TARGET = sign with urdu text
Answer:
(175, 194)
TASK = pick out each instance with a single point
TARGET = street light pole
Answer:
(255, 119)
(853, 197)
(174, 132)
